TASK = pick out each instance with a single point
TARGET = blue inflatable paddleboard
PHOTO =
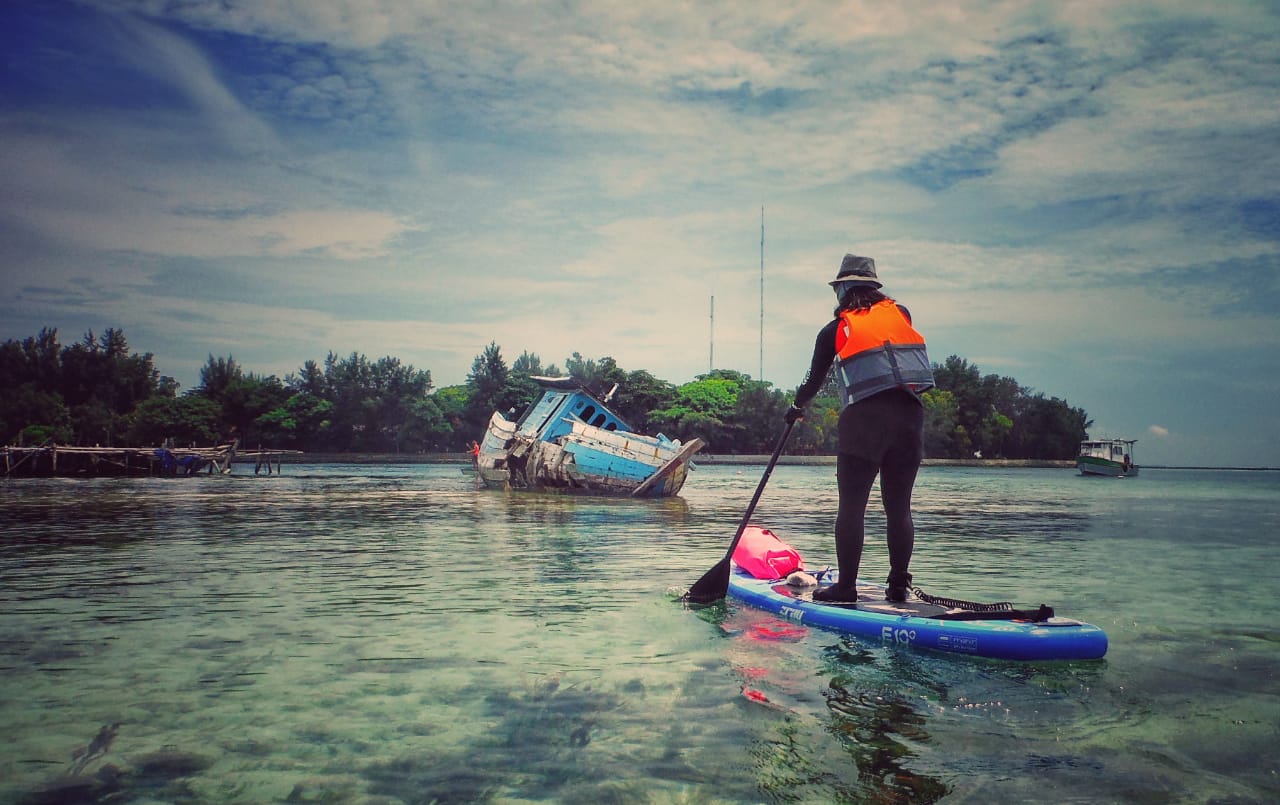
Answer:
(920, 624)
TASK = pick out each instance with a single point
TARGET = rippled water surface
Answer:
(388, 634)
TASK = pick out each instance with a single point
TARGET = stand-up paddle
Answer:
(714, 584)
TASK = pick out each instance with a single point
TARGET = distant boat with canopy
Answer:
(1108, 457)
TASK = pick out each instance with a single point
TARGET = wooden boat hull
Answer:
(587, 459)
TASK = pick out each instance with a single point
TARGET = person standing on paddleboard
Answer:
(883, 367)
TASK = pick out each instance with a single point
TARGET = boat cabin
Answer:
(1117, 450)
(554, 415)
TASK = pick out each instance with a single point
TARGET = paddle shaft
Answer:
(714, 584)
(751, 509)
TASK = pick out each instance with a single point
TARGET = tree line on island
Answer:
(98, 392)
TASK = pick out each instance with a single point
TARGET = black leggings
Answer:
(855, 476)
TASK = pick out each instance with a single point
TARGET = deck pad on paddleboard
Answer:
(917, 623)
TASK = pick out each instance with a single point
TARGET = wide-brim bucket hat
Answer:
(855, 269)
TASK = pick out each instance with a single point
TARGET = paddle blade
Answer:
(713, 585)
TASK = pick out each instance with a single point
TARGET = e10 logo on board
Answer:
(888, 634)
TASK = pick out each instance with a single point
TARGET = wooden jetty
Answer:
(264, 458)
(68, 461)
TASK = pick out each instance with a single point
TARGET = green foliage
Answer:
(966, 415)
(715, 396)
(702, 409)
(303, 420)
(728, 410)
(97, 392)
(488, 386)
(943, 433)
(521, 389)
(39, 434)
(370, 406)
(102, 373)
(757, 416)
(217, 376)
(244, 399)
(491, 387)
(1049, 429)
(640, 393)
(427, 426)
(33, 415)
(530, 365)
(453, 402)
(79, 394)
(994, 417)
(586, 371)
(309, 380)
(819, 432)
(191, 420)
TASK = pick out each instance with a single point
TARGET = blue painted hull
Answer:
(909, 625)
(601, 464)
(583, 459)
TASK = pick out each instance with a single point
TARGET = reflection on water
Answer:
(878, 729)
(342, 633)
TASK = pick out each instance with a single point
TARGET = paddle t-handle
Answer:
(714, 584)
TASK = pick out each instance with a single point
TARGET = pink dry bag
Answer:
(764, 556)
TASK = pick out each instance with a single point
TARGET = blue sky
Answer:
(1083, 196)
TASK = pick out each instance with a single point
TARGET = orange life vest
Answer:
(877, 349)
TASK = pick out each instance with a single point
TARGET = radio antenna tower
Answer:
(711, 357)
(761, 375)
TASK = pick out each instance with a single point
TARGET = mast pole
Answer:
(761, 375)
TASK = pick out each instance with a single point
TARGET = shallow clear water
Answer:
(388, 634)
